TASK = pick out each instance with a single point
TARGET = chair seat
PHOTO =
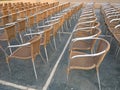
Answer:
(3, 37)
(82, 45)
(22, 53)
(85, 63)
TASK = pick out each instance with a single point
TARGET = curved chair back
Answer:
(10, 32)
(47, 35)
(93, 60)
(31, 21)
(103, 46)
(35, 46)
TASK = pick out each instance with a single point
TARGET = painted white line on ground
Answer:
(56, 65)
(15, 85)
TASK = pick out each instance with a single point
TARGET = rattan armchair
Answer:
(45, 38)
(8, 34)
(4, 20)
(85, 61)
(84, 44)
(25, 51)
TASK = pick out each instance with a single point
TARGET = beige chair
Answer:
(31, 23)
(46, 37)
(25, 51)
(4, 20)
(8, 34)
(21, 28)
(85, 61)
(13, 17)
(84, 44)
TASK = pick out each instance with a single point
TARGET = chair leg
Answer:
(46, 54)
(62, 28)
(31, 32)
(117, 52)
(66, 25)
(9, 67)
(21, 38)
(98, 78)
(69, 22)
(68, 70)
(34, 69)
(54, 43)
(59, 36)
(10, 48)
(51, 46)
(42, 58)
(7, 60)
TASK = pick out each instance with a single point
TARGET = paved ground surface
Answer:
(22, 71)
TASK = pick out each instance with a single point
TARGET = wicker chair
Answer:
(84, 61)
(22, 14)
(45, 39)
(21, 29)
(13, 17)
(8, 34)
(31, 23)
(27, 51)
(55, 24)
(28, 12)
(84, 44)
(4, 20)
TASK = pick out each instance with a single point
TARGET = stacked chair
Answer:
(87, 50)
(111, 15)
(27, 29)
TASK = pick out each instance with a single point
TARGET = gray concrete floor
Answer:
(22, 71)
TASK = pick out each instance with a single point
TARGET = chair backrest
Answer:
(10, 32)
(61, 20)
(31, 21)
(13, 10)
(39, 17)
(35, 46)
(103, 46)
(14, 17)
(5, 20)
(33, 11)
(22, 14)
(47, 35)
(28, 12)
(55, 28)
(5, 12)
(21, 26)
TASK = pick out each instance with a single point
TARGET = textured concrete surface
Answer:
(22, 70)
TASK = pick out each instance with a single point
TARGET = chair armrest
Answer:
(89, 55)
(21, 45)
(52, 20)
(38, 33)
(86, 14)
(116, 19)
(87, 22)
(83, 38)
(86, 17)
(44, 26)
(55, 17)
(12, 23)
(85, 28)
(1, 29)
(117, 26)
